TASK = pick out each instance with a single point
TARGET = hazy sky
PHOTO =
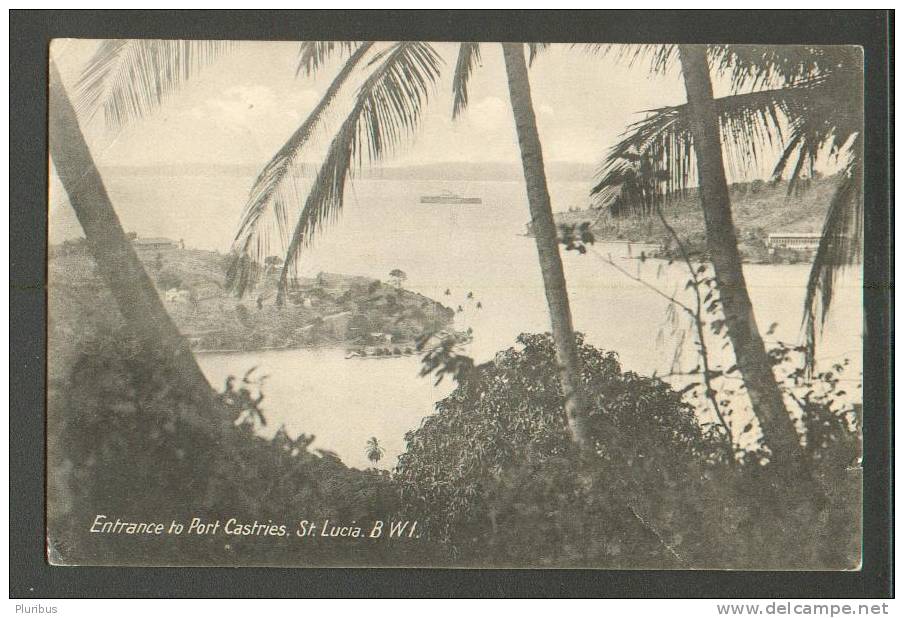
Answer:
(243, 107)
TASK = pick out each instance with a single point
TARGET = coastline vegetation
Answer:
(548, 455)
(325, 310)
(760, 208)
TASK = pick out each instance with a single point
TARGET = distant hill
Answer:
(557, 171)
(759, 209)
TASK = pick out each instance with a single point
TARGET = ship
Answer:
(447, 197)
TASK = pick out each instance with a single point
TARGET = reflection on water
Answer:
(475, 249)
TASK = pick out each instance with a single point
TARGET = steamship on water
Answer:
(447, 197)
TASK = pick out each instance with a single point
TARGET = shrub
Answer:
(167, 279)
(505, 424)
(120, 447)
(493, 477)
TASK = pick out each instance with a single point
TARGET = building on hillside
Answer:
(303, 334)
(304, 298)
(337, 282)
(380, 338)
(801, 241)
(207, 290)
(202, 339)
(154, 244)
(175, 295)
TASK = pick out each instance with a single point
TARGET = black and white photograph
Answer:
(511, 304)
(406, 303)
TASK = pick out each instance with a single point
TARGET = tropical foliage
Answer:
(492, 474)
(804, 101)
(129, 78)
(398, 277)
(374, 451)
(120, 446)
(512, 409)
(386, 109)
(547, 455)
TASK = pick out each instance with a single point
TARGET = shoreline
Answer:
(781, 257)
(344, 346)
(658, 252)
(352, 350)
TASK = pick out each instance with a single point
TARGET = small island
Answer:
(371, 318)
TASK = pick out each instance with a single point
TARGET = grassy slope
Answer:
(756, 214)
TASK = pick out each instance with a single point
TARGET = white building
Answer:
(794, 240)
(381, 337)
(175, 295)
(154, 244)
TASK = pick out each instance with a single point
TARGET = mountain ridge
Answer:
(557, 171)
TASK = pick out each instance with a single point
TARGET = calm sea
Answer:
(477, 249)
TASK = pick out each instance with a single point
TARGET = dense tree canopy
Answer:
(509, 413)
(494, 477)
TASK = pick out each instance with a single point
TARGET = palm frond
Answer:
(826, 120)
(659, 58)
(748, 67)
(824, 124)
(840, 246)
(468, 58)
(748, 122)
(534, 50)
(313, 54)
(813, 94)
(130, 78)
(754, 67)
(387, 109)
(276, 188)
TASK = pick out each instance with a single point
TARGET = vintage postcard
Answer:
(482, 305)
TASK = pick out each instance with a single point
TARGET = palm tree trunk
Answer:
(750, 352)
(137, 299)
(547, 245)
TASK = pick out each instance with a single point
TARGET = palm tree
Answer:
(386, 109)
(274, 186)
(631, 187)
(117, 263)
(809, 100)
(805, 98)
(374, 451)
(547, 244)
(398, 276)
(752, 360)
